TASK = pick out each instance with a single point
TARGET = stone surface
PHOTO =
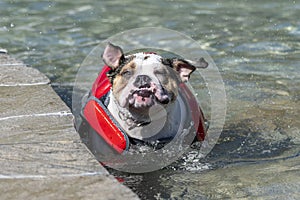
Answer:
(41, 154)
(8, 60)
(47, 158)
(20, 75)
(33, 100)
(45, 128)
(65, 187)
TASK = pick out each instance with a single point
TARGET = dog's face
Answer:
(142, 80)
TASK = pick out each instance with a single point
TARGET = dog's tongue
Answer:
(144, 99)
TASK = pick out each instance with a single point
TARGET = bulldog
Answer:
(144, 97)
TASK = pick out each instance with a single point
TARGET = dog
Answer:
(144, 97)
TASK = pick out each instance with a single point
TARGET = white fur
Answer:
(164, 121)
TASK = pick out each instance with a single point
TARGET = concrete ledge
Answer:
(54, 127)
(68, 187)
(41, 154)
(26, 76)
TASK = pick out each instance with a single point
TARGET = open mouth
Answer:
(147, 97)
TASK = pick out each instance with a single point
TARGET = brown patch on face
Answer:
(121, 79)
(170, 81)
(173, 87)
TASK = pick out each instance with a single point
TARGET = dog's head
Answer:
(143, 79)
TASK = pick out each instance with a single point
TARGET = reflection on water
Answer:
(254, 43)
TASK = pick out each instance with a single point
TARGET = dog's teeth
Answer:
(131, 101)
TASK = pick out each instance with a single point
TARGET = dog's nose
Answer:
(142, 81)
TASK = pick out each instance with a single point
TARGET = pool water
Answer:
(255, 45)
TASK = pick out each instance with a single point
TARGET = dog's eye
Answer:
(159, 72)
(126, 73)
(161, 75)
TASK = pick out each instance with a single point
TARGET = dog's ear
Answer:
(112, 56)
(186, 67)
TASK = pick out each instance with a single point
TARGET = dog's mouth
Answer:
(147, 97)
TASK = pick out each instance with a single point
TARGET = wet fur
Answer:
(120, 80)
(128, 104)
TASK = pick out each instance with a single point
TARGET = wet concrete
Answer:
(41, 154)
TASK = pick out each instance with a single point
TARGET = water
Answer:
(256, 46)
